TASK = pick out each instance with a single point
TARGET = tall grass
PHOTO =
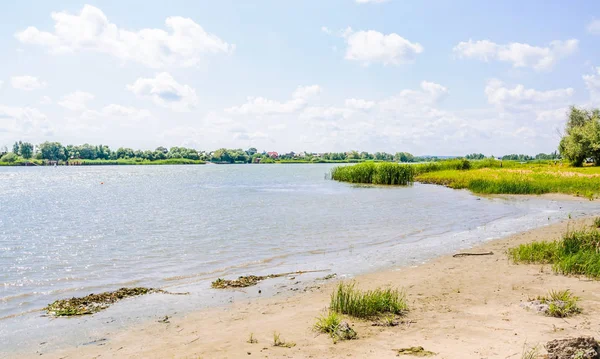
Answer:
(171, 161)
(384, 173)
(347, 299)
(577, 253)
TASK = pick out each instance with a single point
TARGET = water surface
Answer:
(69, 231)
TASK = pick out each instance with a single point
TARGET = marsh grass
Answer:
(383, 173)
(347, 299)
(597, 222)
(577, 253)
(561, 304)
(332, 324)
(531, 353)
(278, 342)
(252, 339)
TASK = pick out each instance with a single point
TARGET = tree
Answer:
(9, 157)
(16, 148)
(52, 151)
(26, 150)
(582, 137)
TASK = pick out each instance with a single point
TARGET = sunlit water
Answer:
(70, 231)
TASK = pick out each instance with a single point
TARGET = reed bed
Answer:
(577, 253)
(347, 299)
(383, 173)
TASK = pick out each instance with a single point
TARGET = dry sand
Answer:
(467, 307)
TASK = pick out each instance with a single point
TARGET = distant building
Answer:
(273, 155)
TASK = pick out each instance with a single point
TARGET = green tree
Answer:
(26, 150)
(582, 137)
(9, 157)
(53, 151)
(16, 148)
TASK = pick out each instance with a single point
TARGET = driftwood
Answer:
(473, 254)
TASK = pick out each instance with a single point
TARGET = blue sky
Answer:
(428, 77)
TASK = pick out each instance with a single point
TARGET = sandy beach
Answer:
(463, 307)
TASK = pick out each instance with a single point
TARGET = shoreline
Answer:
(460, 307)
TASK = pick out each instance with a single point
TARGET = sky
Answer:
(426, 77)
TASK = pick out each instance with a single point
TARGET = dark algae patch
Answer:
(250, 280)
(414, 351)
(94, 303)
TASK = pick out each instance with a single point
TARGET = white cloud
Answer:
(520, 55)
(372, 46)
(18, 122)
(500, 95)
(27, 83)
(183, 45)
(264, 106)
(76, 101)
(46, 100)
(594, 27)
(114, 110)
(359, 104)
(165, 92)
(592, 82)
(326, 30)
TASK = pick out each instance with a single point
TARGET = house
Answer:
(273, 155)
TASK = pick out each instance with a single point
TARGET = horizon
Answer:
(326, 77)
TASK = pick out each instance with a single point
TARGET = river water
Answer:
(69, 231)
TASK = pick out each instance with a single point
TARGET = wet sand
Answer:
(464, 307)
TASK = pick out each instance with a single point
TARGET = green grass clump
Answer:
(561, 304)
(597, 222)
(383, 173)
(332, 324)
(577, 253)
(347, 299)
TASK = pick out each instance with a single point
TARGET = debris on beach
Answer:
(328, 277)
(558, 304)
(581, 347)
(94, 303)
(415, 351)
(473, 254)
(250, 280)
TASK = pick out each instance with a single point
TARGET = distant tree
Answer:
(16, 148)
(52, 151)
(582, 137)
(26, 150)
(162, 149)
(475, 156)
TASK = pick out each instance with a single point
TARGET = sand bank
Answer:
(466, 307)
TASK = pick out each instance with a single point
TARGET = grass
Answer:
(561, 304)
(383, 173)
(577, 253)
(332, 324)
(252, 339)
(347, 299)
(597, 222)
(278, 342)
(530, 353)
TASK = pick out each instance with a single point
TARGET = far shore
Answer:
(464, 307)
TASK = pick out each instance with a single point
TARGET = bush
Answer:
(384, 173)
(9, 158)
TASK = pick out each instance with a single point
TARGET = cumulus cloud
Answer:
(183, 44)
(46, 100)
(17, 122)
(265, 106)
(359, 104)
(114, 110)
(592, 82)
(165, 91)
(500, 95)
(368, 47)
(76, 101)
(594, 27)
(519, 54)
(27, 83)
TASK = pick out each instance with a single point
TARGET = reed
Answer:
(577, 253)
(347, 299)
(382, 173)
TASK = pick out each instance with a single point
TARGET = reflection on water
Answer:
(69, 231)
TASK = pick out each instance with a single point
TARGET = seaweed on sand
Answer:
(250, 280)
(94, 303)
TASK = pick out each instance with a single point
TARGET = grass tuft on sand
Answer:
(278, 342)
(332, 324)
(561, 304)
(347, 299)
(577, 253)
